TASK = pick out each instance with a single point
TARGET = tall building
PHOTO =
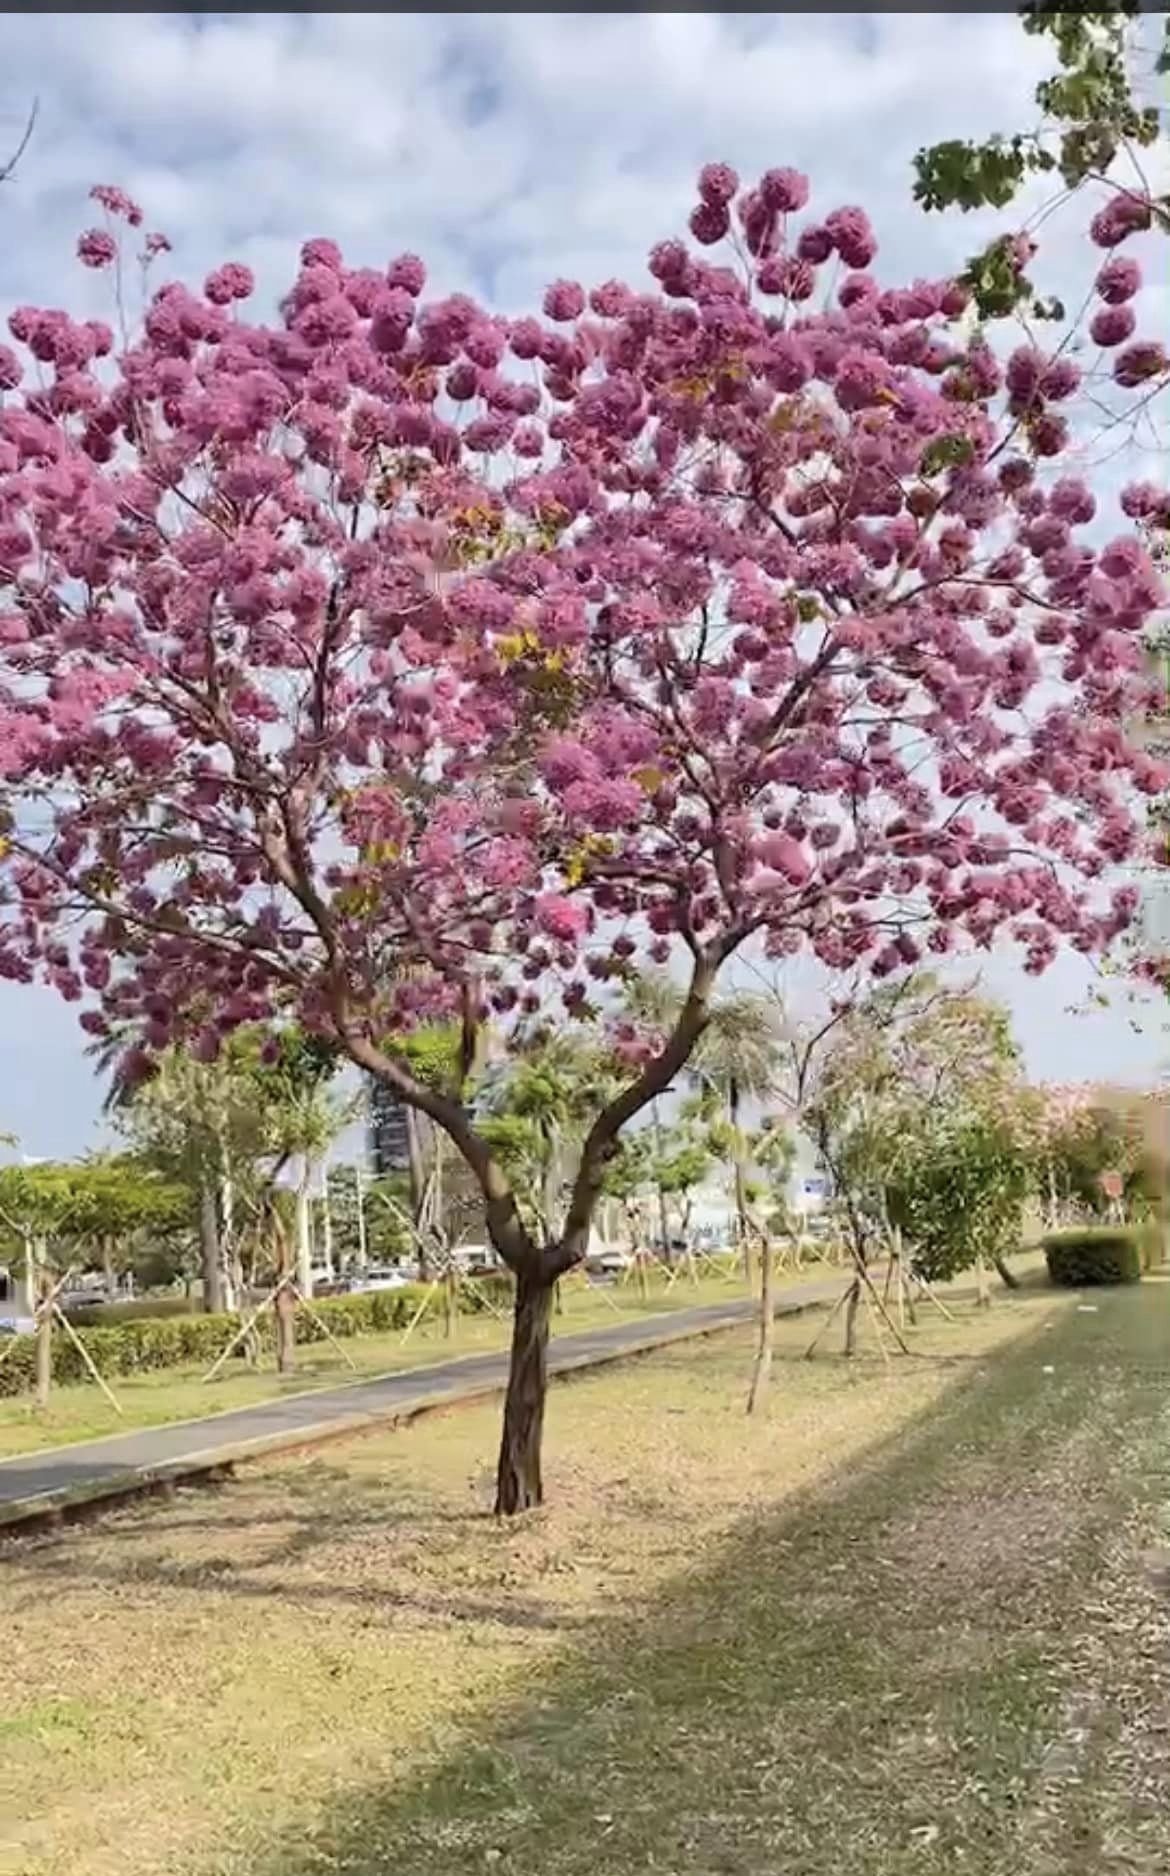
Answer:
(389, 1144)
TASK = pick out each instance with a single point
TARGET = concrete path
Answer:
(58, 1479)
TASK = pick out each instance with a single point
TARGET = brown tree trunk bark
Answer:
(1005, 1273)
(285, 1312)
(763, 1368)
(209, 1251)
(519, 1486)
(109, 1274)
(284, 1308)
(44, 1351)
(416, 1161)
(851, 1308)
(450, 1301)
(740, 1168)
(663, 1215)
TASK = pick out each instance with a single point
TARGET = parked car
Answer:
(387, 1277)
(476, 1260)
(608, 1260)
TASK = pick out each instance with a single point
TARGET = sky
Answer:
(508, 150)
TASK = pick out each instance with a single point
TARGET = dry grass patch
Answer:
(258, 1652)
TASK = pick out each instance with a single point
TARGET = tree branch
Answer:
(8, 167)
(601, 1139)
(505, 1225)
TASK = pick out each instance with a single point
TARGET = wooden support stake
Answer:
(869, 1304)
(86, 1357)
(830, 1319)
(321, 1323)
(245, 1329)
(417, 1317)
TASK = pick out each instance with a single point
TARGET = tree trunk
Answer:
(450, 1301)
(285, 1312)
(982, 1288)
(663, 1215)
(304, 1234)
(209, 1251)
(44, 1351)
(1005, 1272)
(739, 1167)
(851, 1308)
(360, 1200)
(767, 1327)
(418, 1187)
(518, 1479)
(26, 1281)
(284, 1307)
(109, 1274)
(327, 1233)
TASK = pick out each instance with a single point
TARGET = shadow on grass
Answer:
(865, 1683)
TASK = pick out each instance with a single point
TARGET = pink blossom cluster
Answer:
(1118, 280)
(397, 658)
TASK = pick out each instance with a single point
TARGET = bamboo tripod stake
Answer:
(287, 1282)
(48, 1304)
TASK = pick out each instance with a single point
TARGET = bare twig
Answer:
(8, 167)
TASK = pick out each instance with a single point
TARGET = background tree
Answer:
(536, 1114)
(1092, 126)
(38, 1204)
(118, 1199)
(904, 1072)
(459, 661)
(735, 1061)
(958, 1191)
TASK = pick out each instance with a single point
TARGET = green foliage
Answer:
(144, 1344)
(899, 1112)
(1088, 114)
(536, 1113)
(946, 452)
(1107, 1136)
(383, 1203)
(959, 1194)
(136, 1309)
(961, 174)
(1089, 1255)
(682, 1168)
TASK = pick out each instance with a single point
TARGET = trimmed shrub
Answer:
(140, 1309)
(1089, 1254)
(146, 1343)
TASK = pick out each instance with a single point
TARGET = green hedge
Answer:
(1089, 1254)
(148, 1343)
(140, 1309)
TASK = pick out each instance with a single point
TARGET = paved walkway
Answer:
(36, 1483)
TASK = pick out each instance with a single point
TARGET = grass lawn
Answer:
(913, 1619)
(81, 1412)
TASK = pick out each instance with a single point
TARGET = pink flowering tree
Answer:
(395, 661)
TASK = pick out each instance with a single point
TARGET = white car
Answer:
(609, 1260)
(389, 1279)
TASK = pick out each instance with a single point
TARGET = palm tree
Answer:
(736, 1059)
(540, 1108)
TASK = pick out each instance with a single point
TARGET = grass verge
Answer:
(180, 1393)
(900, 1623)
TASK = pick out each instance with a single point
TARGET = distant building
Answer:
(387, 1133)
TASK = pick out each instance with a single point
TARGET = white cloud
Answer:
(506, 148)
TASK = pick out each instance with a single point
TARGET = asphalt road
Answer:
(36, 1482)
